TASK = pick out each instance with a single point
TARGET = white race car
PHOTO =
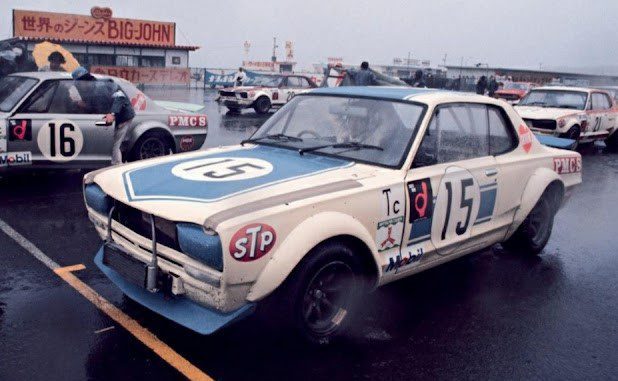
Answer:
(581, 114)
(342, 190)
(265, 92)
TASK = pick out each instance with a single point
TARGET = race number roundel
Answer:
(60, 140)
(456, 207)
(222, 169)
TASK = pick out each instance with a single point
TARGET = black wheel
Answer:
(262, 105)
(612, 142)
(151, 144)
(320, 295)
(573, 133)
(533, 234)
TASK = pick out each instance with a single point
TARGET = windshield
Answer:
(267, 81)
(516, 86)
(367, 130)
(13, 89)
(555, 98)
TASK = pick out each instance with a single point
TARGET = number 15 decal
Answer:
(456, 207)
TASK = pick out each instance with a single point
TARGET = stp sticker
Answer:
(60, 140)
(20, 129)
(187, 121)
(252, 242)
(8, 159)
(186, 142)
(525, 135)
(139, 102)
(222, 169)
(564, 165)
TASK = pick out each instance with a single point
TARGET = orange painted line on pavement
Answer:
(142, 334)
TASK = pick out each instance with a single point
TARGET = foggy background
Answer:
(565, 35)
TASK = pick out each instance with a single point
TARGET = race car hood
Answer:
(535, 112)
(195, 186)
(243, 88)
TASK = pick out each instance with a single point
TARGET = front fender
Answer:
(537, 183)
(300, 241)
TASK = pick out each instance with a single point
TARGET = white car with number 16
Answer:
(341, 191)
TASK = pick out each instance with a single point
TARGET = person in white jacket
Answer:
(240, 77)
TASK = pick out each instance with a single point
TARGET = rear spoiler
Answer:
(179, 106)
(555, 142)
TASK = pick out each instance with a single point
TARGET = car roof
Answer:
(399, 93)
(563, 88)
(45, 75)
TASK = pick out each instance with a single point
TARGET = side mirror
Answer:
(424, 159)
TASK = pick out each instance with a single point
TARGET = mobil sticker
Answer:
(189, 120)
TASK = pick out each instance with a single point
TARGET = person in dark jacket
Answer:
(492, 87)
(418, 79)
(364, 77)
(481, 85)
(121, 112)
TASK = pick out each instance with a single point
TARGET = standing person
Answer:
(481, 85)
(23, 62)
(55, 59)
(418, 79)
(492, 87)
(364, 77)
(121, 112)
(240, 77)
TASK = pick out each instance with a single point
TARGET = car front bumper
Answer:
(236, 102)
(179, 309)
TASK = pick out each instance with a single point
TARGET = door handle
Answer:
(102, 123)
(491, 172)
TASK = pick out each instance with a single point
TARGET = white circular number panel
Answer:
(60, 140)
(222, 169)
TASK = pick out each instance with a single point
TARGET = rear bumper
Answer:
(177, 309)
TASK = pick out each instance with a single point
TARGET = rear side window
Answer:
(294, 82)
(501, 139)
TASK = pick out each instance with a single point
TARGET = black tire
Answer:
(151, 144)
(612, 142)
(320, 295)
(573, 133)
(533, 234)
(262, 105)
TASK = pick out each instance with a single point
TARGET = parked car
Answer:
(512, 92)
(577, 113)
(266, 92)
(341, 191)
(49, 120)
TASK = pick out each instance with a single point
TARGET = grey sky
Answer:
(514, 33)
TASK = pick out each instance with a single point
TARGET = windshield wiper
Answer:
(282, 137)
(537, 103)
(353, 145)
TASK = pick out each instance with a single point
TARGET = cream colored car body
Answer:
(594, 122)
(366, 204)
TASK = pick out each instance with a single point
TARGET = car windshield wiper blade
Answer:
(281, 137)
(537, 103)
(352, 145)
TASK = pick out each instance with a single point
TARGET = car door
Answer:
(608, 116)
(63, 118)
(294, 86)
(597, 114)
(466, 192)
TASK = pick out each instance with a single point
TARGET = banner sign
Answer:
(63, 26)
(147, 75)
(221, 78)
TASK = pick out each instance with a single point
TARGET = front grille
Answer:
(139, 222)
(227, 93)
(545, 124)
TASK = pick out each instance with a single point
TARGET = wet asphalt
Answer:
(490, 315)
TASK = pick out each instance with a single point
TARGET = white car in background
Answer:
(581, 114)
(341, 191)
(265, 92)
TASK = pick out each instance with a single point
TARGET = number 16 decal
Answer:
(456, 206)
